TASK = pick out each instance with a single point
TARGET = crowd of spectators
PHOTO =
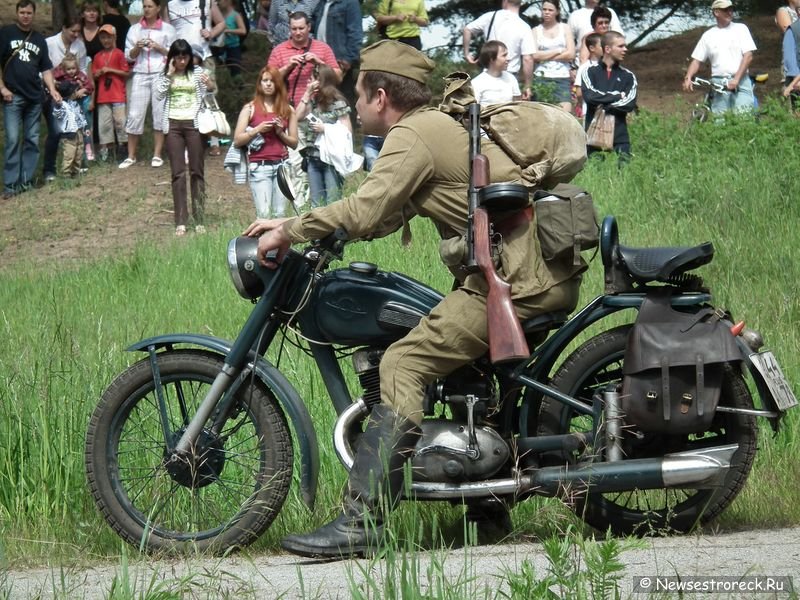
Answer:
(315, 54)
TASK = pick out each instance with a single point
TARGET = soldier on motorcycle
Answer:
(423, 169)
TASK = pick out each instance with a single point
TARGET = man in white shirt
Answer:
(729, 48)
(580, 22)
(508, 27)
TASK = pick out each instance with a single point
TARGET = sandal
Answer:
(180, 230)
(215, 151)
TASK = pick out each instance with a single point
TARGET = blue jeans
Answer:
(325, 183)
(51, 141)
(21, 119)
(267, 196)
(739, 101)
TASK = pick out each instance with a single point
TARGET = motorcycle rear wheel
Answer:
(224, 497)
(597, 363)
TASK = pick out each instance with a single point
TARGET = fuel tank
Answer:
(363, 305)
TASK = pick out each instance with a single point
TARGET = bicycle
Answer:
(702, 110)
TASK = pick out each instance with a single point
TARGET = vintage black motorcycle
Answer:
(191, 448)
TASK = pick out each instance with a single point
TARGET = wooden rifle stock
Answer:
(506, 338)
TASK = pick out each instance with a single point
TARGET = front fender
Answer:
(290, 401)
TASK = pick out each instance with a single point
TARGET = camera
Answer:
(147, 42)
(313, 119)
(107, 82)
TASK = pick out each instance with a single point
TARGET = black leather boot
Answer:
(373, 488)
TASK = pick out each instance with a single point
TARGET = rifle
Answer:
(506, 338)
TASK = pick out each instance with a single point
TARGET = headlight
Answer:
(244, 267)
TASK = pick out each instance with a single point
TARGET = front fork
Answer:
(258, 330)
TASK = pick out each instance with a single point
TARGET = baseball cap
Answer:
(109, 29)
(721, 4)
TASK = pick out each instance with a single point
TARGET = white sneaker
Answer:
(128, 162)
(157, 161)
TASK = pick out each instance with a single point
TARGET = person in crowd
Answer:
(322, 106)
(791, 65)
(594, 46)
(262, 20)
(72, 84)
(580, 22)
(495, 84)
(182, 86)
(267, 128)
(338, 24)
(555, 52)
(58, 45)
(296, 59)
(507, 26)
(371, 146)
(234, 27)
(110, 71)
(90, 27)
(729, 48)
(402, 19)
(121, 24)
(279, 13)
(423, 169)
(25, 68)
(787, 14)
(600, 20)
(81, 94)
(612, 86)
(147, 47)
(198, 22)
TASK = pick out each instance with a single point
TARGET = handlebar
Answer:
(719, 88)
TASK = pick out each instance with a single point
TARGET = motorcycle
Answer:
(190, 448)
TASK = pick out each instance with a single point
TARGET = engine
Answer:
(458, 445)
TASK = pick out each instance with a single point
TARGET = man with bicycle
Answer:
(729, 48)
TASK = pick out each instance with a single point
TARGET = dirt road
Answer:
(733, 555)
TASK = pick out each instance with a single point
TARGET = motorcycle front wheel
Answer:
(591, 368)
(223, 496)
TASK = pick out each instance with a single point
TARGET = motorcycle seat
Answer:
(661, 264)
(544, 322)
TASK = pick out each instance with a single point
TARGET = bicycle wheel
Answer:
(592, 367)
(223, 496)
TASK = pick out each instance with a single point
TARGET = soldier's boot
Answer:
(373, 488)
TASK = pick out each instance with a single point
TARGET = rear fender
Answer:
(290, 401)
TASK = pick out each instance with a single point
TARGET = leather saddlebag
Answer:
(673, 367)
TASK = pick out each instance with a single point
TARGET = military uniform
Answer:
(423, 169)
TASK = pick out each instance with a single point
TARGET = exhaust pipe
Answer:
(695, 469)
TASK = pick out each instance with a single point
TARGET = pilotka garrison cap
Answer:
(397, 58)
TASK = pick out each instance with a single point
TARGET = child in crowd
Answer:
(595, 48)
(266, 128)
(322, 105)
(110, 70)
(69, 72)
(182, 87)
(495, 84)
(234, 27)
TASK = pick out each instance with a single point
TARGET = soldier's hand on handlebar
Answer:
(273, 238)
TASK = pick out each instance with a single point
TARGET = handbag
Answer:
(210, 118)
(601, 130)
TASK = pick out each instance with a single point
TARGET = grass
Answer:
(64, 334)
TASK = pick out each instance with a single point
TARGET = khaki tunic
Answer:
(423, 169)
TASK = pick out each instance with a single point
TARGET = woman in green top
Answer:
(402, 20)
(182, 86)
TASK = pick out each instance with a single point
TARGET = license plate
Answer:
(770, 370)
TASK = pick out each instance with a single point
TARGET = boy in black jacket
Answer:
(613, 86)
